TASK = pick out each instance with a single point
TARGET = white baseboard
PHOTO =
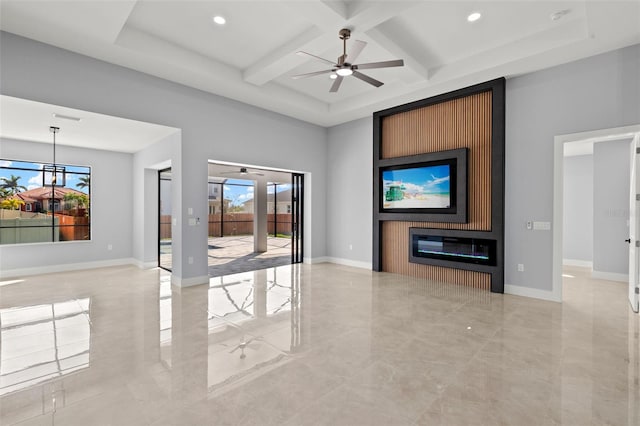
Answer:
(348, 262)
(338, 261)
(189, 282)
(146, 265)
(535, 293)
(577, 262)
(38, 270)
(610, 276)
(314, 260)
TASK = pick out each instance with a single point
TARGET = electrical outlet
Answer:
(190, 260)
(520, 267)
(350, 246)
(109, 247)
(529, 225)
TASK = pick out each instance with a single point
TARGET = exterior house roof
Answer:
(44, 193)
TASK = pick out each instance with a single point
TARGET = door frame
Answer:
(601, 135)
(160, 171)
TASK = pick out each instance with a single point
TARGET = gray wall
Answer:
(146, 164)
(594, 93)
(350, 186)
(578, 208)
(111, 208)
(213, 128)
(611, 173)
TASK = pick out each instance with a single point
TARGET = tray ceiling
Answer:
(252, 57)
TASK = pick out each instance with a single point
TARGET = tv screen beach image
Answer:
(426, 187)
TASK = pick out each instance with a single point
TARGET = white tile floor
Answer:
(321, 344)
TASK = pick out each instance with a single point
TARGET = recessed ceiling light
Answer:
(333, 76)
(220, 20)
(474, 16)
(344, 72)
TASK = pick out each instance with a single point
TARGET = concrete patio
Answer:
(234, 254)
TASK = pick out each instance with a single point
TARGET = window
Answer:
(34, 210)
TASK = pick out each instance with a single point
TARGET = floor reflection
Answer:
(253, 323)
(41, 342)
(312, 344)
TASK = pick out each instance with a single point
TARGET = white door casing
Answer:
(634, 223)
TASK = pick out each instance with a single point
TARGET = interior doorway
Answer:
(254, 218)
(583, 140)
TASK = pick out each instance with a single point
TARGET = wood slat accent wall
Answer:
(458, 123)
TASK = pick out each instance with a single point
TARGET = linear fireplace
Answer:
(444, 248)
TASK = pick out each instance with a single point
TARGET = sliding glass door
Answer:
(297, 217)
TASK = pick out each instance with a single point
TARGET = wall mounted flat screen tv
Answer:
(428, 187)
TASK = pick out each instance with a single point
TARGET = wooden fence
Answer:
(234, 224)
(73, 228)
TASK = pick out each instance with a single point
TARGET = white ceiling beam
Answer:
(147, 53)
(329, 17)
(375, 13)
(417, 71)
(340, 7)
(284, 59)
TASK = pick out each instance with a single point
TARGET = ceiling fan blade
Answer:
(336, 84)
(367, 79)
(301, 53)
(356, 50)
(385, 64)
(311, 74)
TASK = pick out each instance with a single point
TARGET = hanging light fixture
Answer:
(54, 130)
(54, 170)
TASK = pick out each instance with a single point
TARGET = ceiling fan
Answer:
(343, 68)
(242, 171)
(244, 344)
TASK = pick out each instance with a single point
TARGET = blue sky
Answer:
(33, 178)
(240, 194)
(432, 179)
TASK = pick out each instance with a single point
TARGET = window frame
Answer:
(59, 204)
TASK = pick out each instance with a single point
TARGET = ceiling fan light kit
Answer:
(242, 171)
(342, 68)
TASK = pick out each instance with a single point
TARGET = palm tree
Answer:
(85, 181)
(11, 184)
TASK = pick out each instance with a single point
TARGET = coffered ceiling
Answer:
(253, 56)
